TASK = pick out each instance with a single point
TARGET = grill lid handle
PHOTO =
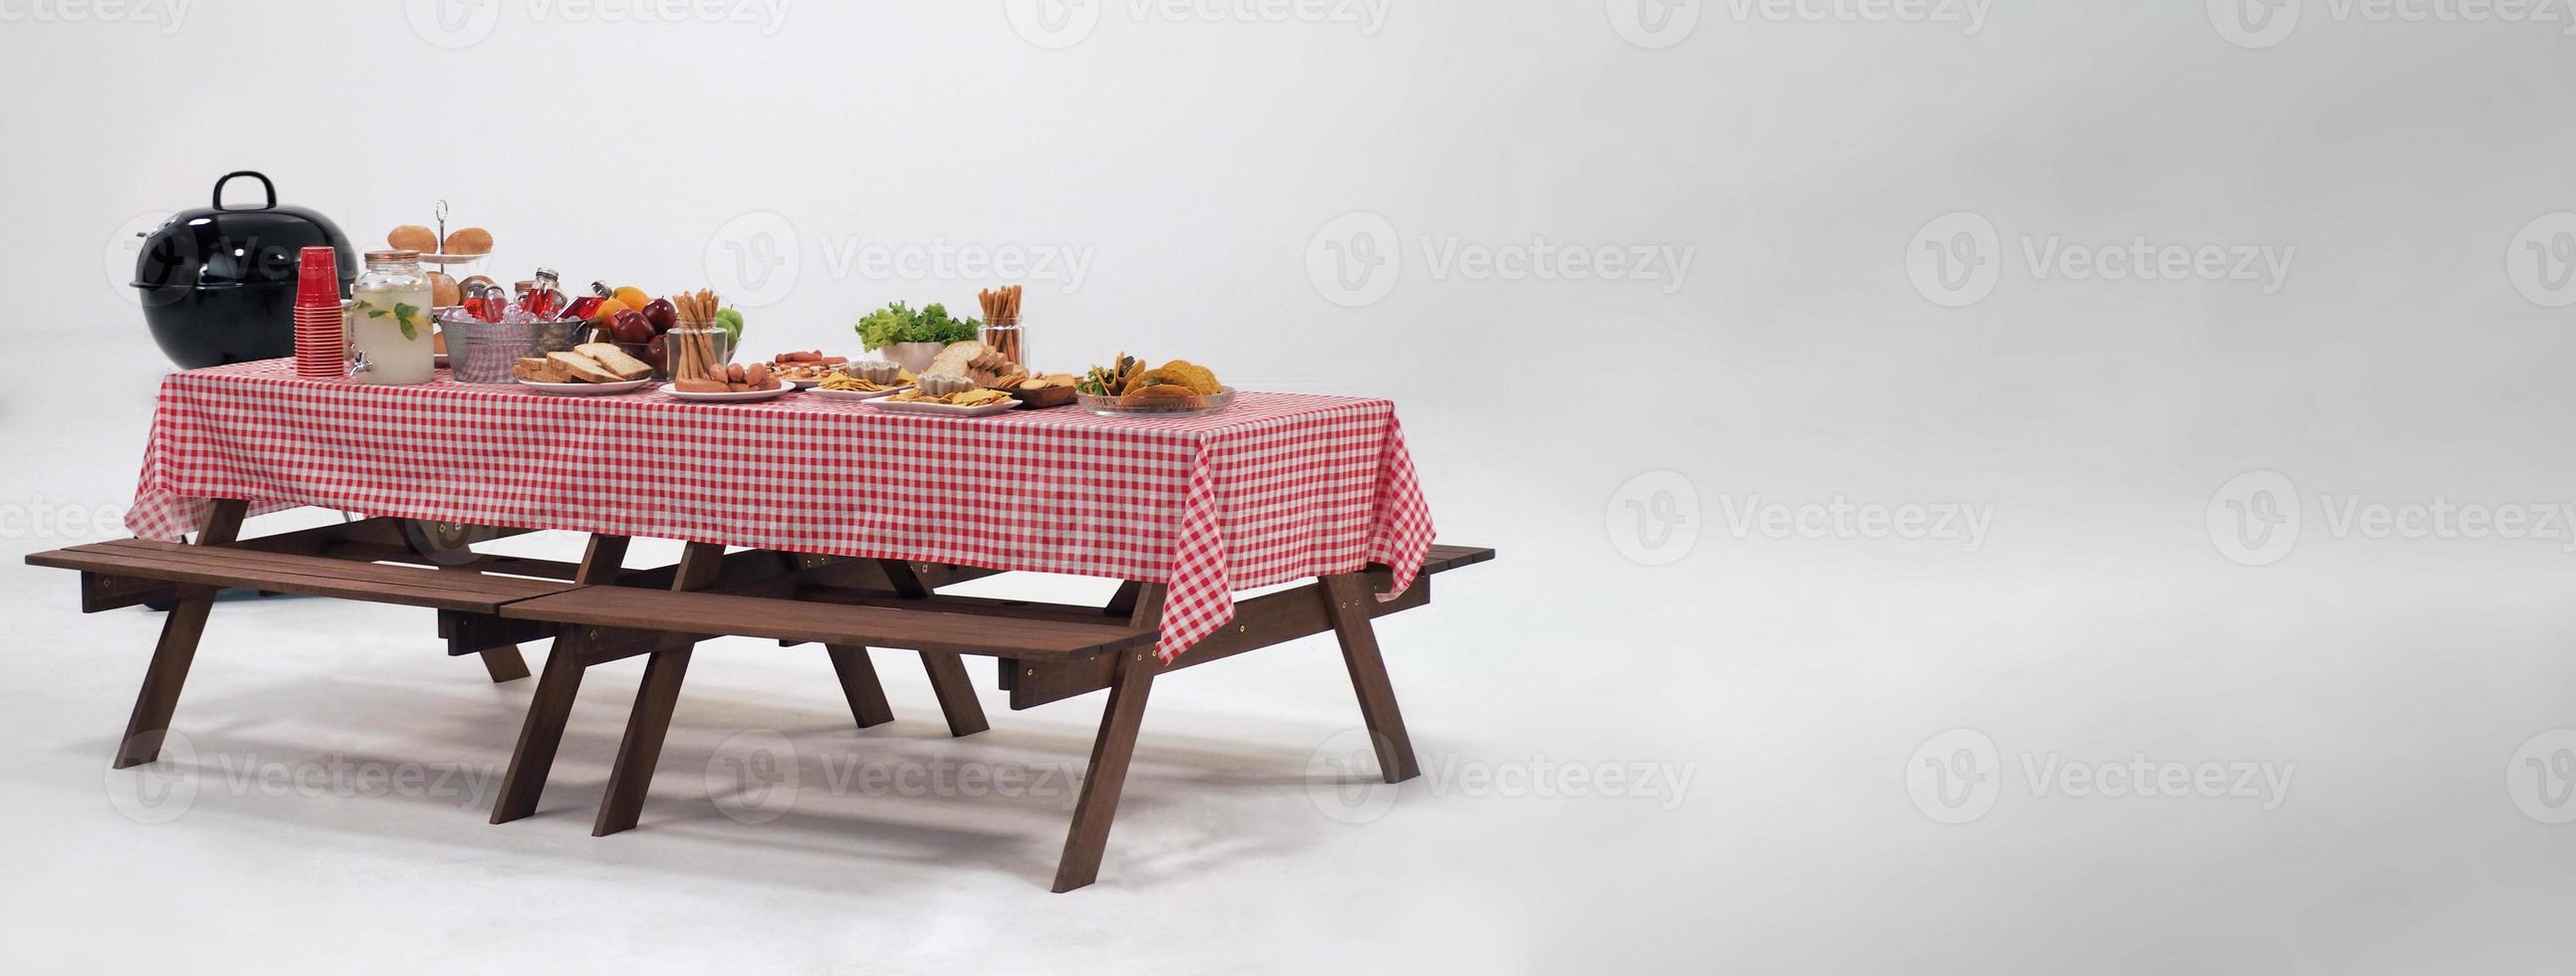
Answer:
(263, 182)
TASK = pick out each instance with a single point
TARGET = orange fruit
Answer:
(633, 297)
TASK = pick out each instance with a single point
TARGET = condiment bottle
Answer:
(545, 298)
(588, 305)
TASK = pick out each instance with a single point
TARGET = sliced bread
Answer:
(953, 360)
(539, 370)
(582, 368)
(615, 360)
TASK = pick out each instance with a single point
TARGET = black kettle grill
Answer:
(219, 282)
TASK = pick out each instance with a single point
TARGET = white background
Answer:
(2410, 361)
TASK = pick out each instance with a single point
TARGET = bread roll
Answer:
(471, 240)
(413, 237)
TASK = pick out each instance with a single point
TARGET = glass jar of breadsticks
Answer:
(1002, 322)
(696, 347)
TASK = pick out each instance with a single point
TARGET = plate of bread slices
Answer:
(596, 369)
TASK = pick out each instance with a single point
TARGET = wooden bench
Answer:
(399, 562)
(1048, 651)
(597, 611)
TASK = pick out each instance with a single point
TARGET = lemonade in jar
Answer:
(388, 322)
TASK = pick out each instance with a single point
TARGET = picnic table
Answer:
(805, 521)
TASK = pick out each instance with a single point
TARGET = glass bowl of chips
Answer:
(1157, 402)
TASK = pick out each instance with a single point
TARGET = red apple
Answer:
(631, 327)
(662, 314)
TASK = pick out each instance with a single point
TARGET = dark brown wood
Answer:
(1110, 753)
(542, 732)
(753, 573)
(632, 774)
(860, 686)
(956, 691)
(503, 661)
(1262, 621)
(1441, 559)
(948, 679)
(474, 633)
(708, 613)
(225, 567)
(943, 603)
(1123, 602)
(158, 699)
(101, 592)
(1348, 600)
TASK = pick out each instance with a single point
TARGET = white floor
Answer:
(1792, 697)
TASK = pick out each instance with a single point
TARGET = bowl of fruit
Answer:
(637, 323)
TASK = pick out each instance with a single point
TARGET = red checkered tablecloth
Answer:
(1280, 487)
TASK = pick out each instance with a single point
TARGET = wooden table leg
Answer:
(543, 731)
(859, 684)
(1098, 803)
(159, 697)
(1346, 601)
(1107, 776)
(948, 678)
(650, 722)
(956, 693)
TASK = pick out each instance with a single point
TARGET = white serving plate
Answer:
(943, 409)
(857, 395)
(587, 389)
(747, 396)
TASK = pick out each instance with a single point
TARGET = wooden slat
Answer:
(919, 630)
(1442, 559)
(290, 573)
(1271, 618)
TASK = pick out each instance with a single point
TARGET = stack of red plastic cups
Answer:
(321, 347)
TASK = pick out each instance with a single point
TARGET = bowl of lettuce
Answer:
(913, 338)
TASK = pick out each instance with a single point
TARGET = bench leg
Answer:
(534, 756)
(859, 684)
(1110, 752)
(956, 693)
(504, 664)
(158, 699)
(632, 776)
(948, 677)
(642, 749)
(543, 731)
(1347, 597)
